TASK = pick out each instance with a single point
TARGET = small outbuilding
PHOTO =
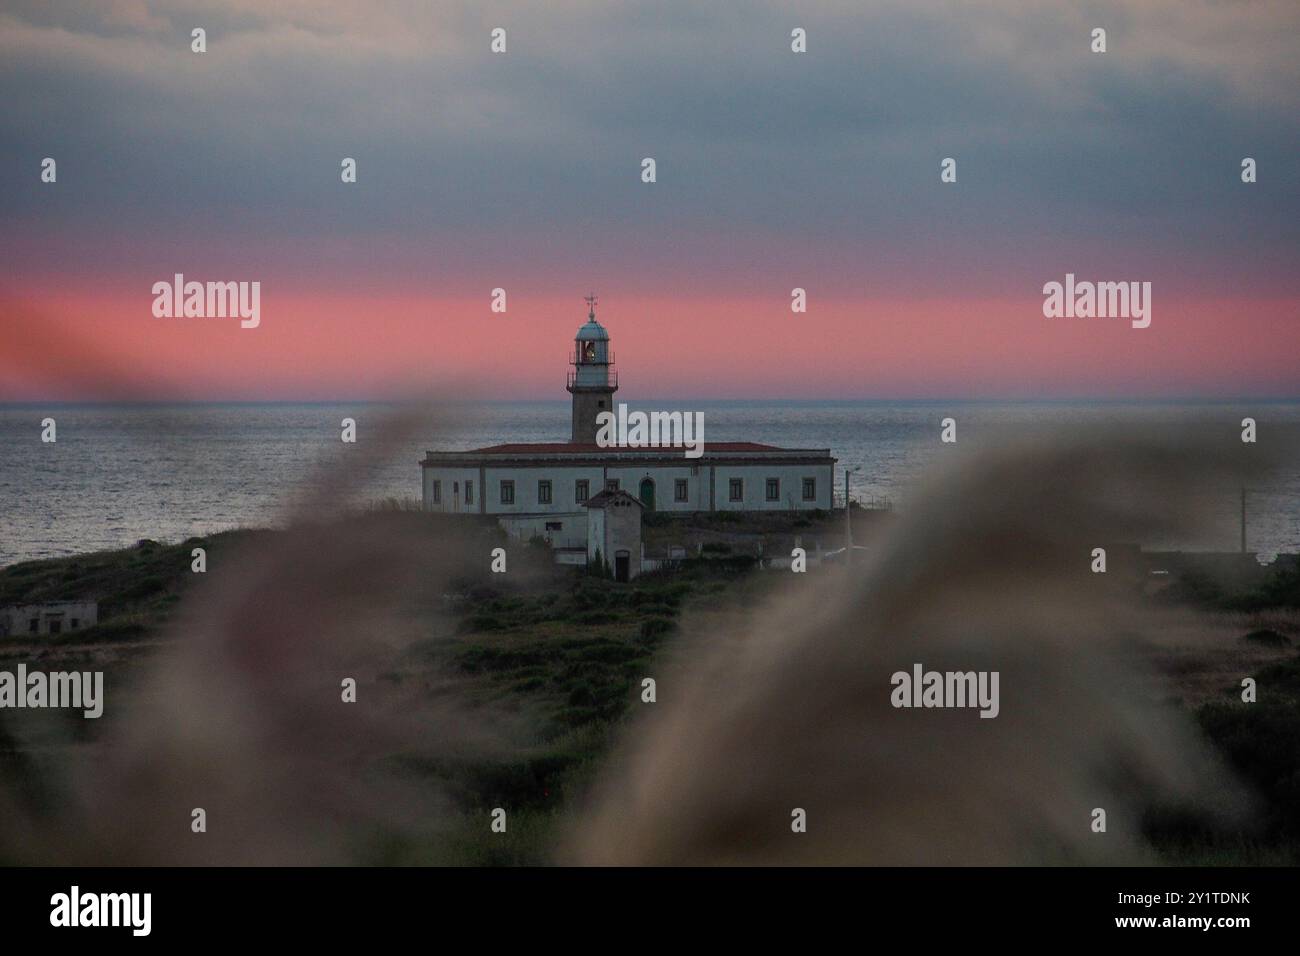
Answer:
(54, 617)
(614, 533)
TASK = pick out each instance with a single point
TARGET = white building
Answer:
(541, 489)
(54, 617)
(614, 533)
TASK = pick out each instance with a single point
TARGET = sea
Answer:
(119, 473)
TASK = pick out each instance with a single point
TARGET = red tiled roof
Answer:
(577, 448)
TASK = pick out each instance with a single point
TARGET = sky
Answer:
(774, 170)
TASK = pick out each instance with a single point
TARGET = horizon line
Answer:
(934, 400)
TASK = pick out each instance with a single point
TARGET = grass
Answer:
(144, 582)
(1260, 741)
(568, 653)
(572, 656)
(578, 654)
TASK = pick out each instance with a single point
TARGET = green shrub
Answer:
(483, 622)
(582, 696)
(653, 628)
(1262, 742)
(145, 586)
(107, 633)
(595, 616)
(607, 652)
(660, 609)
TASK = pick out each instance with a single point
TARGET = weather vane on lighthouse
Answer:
(590, 299)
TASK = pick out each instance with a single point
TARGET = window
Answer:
(56, 626)
(75, 622)
(435, 493)
(679, 490)
(774, 489)
(737, 489)
(34, 625)
(611, 484)
(581, 490)
(469, 492)
(810, 489)
(507, 492)
(544, 492)
(555, 526)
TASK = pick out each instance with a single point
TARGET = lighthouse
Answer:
(592, 380)
(557, 490)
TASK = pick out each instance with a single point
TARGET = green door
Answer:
(648, 494)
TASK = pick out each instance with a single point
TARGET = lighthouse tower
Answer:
(592, 381)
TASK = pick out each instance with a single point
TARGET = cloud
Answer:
(756, 146)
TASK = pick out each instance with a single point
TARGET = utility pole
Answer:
(1243, 519)
(848, 519)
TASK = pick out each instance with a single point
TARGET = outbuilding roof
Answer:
(591, 448)
(607, 498)
(529, 454)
